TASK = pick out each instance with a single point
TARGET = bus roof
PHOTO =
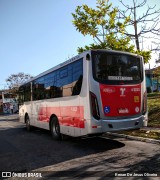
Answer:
(75, 58)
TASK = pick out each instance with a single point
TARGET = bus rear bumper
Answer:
(122, 124)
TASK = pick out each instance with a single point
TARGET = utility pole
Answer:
(150, 74)
(158, 76)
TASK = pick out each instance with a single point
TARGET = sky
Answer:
(36, 35)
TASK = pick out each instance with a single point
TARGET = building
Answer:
(8, 103)
(152, 80)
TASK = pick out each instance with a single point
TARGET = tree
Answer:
(139, 23)
(103, 24)
(157, 71)
(15, 80)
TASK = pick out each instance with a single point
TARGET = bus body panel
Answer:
(70, 111)
(122, 100)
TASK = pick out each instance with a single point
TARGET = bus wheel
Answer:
(55, 129)
(28, 126)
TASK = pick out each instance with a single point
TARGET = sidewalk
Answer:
(139, 138)
(150, 128)
(9, 116)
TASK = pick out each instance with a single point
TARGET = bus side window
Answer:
(66, 81)
(77, 86)
(27, 92)
(21, 95)
(77, 77)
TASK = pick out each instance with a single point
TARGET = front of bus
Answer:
(117, 91)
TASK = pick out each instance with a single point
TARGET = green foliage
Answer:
(103, 24)
(92, 46)
(154, 109)
(146, 55)
(157, 71)
(99, 22)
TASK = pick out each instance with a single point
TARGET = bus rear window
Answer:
(114, 68)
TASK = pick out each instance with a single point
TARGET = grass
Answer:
(153, 134)
(154, 110)
(153, 119)
(154, 95)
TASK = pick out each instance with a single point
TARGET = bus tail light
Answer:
(144, 103)
(94, 106)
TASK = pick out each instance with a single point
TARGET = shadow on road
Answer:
(147, 169)
(24, 151)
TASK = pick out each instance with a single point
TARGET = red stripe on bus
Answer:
(67, 115)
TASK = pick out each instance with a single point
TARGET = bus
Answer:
(92, 93)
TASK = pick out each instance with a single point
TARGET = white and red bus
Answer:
(95, 92)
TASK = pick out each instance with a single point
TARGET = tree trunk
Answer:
(135, 28)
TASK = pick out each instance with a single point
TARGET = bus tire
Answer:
(55, 129)
(28, 126)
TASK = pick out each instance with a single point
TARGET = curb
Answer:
(148, 140)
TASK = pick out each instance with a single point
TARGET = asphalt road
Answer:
(98, 157)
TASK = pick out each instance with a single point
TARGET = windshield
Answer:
(116, 68)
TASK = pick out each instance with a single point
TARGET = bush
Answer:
(149, 90)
